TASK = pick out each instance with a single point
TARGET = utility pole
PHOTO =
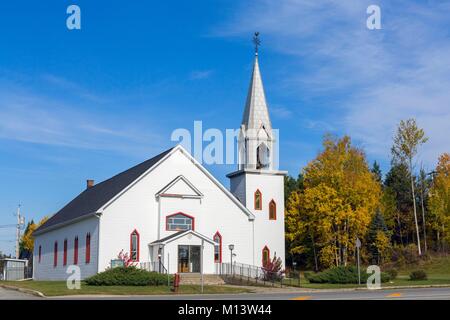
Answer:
(20, 223)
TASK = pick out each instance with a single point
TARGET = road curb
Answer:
(24, 290)
(382, 288)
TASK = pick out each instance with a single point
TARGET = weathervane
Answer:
(256, 41)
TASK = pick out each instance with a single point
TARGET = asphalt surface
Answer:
(392, 294)
(6, 294)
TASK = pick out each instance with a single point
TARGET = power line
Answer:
(8, 226)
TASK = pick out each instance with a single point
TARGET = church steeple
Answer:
(256, 113)
(257, 182)
(256, 138)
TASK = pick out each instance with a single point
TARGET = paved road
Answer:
(397, 294)
(6, 294)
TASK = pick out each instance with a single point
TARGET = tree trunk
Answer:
(424, 224)
(314, 252)
(414, 206)
(400, 227)
(438, 240)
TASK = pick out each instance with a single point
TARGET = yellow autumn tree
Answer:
(340, 197)
(27, 239)
(439, 199)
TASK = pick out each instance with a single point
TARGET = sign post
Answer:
(201, 262)
(358, 245)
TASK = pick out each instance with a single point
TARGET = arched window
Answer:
(262, 156)
(179, 222)
(265, 256)
(134, 246)
(258, 200)
(55, 254)
(39, 253)
(272, 210)
(75, 251)
(88, 247)
(217, 247)
(65, 252)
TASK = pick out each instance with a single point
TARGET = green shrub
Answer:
(343, 275)
(127, 276)
(418, 275)
(405, 255)
(392, 273)
(307, 274)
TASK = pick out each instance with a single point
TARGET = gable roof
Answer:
(194, 191)
(92, 199)
(179, 234)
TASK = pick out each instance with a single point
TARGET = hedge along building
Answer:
(162, 210)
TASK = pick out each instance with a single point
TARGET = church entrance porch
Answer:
(189, 258)
(184, 252)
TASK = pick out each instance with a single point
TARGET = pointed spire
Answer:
(256, 113)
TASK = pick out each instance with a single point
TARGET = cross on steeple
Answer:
(256, 41)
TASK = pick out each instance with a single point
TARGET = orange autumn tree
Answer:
(340, 197)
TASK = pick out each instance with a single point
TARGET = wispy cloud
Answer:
(200, 74)
(381, 76)
(29, 117)
(280, 112)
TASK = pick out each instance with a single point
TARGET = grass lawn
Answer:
(59, 288)
(437, 269)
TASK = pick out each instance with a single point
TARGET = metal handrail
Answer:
(156, 266)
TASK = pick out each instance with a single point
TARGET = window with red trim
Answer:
(88, 247)
(272, 210)
(55, 254)
(179, 222)
(265, 256)
(39, 253)
(258, 200)
(75, 251)
(217, 247)
(134, 246)
(65, 252)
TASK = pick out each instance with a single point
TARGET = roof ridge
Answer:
(93, 198)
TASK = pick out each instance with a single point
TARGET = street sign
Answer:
(358, 243)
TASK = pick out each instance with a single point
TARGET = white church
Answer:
(170, 212)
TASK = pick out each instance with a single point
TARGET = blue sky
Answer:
(93, 102)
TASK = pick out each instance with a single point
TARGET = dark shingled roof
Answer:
(171, 236)
(93, 198)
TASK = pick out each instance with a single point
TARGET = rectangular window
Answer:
(134, 246)
(88, 248)
(217, 247)
(40, 252)
(75, 251)
(55, 254)
(258, 200)
(65, 253)
(272, 210)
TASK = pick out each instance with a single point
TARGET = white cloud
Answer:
(382, 76)
(200, 74)
(280, 112)
(27, 116)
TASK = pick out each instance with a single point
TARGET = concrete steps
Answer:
(195, 278)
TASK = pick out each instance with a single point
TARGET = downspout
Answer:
(253, 241)
(158, 198)
(98, 242)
